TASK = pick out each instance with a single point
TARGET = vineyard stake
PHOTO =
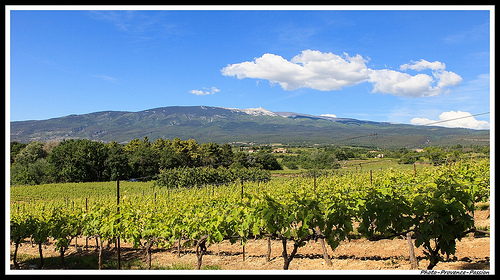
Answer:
(413, 260)
(241, 190)
(242, 202)
(371, 180)
(314, 175)
(118, 211)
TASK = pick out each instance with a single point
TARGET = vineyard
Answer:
(432, 208)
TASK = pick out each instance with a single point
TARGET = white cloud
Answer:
(328, 71)
(456, 119)
(329, 115)
(310, 69)
(422, 65)
(402, 84)
(205, 91)
(198, 92)
(447, 79)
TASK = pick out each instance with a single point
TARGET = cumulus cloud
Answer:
(310, 69)
(328, 71)
(454, 119)
(447, 79)
(422, 65)
(205, 91)
(402, 84)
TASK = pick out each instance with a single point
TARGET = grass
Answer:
(354, 165)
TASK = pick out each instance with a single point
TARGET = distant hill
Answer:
(222, 125)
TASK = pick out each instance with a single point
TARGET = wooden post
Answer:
(242, 202)
(243, 252)
(371, 179)
(268, 258)
(118, 211)
(241, 190)
(179, 245)
(314, 175)
(413, 260)
(323, 247)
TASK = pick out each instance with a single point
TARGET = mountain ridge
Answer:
(252, 125)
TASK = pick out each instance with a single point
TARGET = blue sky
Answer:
(404, 66)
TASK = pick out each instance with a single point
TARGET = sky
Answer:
(392, 65)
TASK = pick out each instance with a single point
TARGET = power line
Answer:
(396, 129)
(341, 140)
(431, 123)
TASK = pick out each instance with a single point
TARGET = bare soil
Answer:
(356, 254)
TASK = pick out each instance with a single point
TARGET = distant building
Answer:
(378, 155)
(279, 150)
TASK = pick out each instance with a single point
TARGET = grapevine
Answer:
(435, 206)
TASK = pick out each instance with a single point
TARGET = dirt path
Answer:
(357, 254)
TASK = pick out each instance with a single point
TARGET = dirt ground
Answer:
(357, 254)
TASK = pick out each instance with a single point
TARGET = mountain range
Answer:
(252, 126)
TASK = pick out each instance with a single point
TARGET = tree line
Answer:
(82, 160)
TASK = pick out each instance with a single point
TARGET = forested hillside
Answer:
(225, 125)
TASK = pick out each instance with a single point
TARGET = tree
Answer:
(30, 166)
(435, 155)
(160, 144)
(144, 161)
(210, 154)
(188, 152)
(168, 158)
(116, 164)
(226, 155)
(319, 159)
(290, 162)
(242, 159)
(341, 155)
(267, 161)
(15, 149)
(30, 153)
(79, 160)
(409, 158)
(133, 145)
